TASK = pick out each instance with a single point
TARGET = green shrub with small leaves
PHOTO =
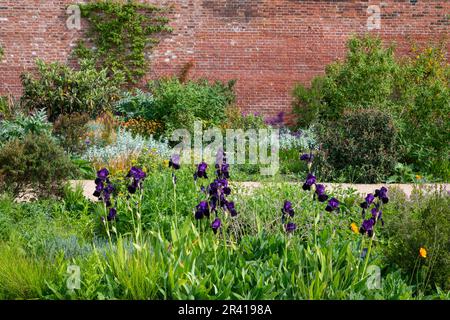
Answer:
(71, 131)
(361, 145)
(63, 90)
(34, 165)
(177, 105)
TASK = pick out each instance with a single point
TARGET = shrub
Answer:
(413, 89)
(35, 164)
(178, 105)
(63, 90)
(365, 78)
(143, 127)
(135, 105)
(421, 222)
(363, 141)
(71, 130)
(21, 125)
(236, 119)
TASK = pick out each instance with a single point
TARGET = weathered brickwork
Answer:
(266, 45)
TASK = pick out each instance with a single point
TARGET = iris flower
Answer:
(216, 225)
(201, 171)
(320, 191)
(333, 204)
(310, 180)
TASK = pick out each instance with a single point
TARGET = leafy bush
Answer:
(135, 105)
(413, 89)
(178, 105)
(236, 119)
(143, 127)
(71, 130)
(363, 141)
(63, 90)
(35, 164)
(21, 125)
(421, 223)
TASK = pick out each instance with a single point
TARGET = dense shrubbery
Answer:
(70, 129)
(362, 146)
(178, 105)
(414, 90)
(20, 125)
(421, 223)
(35, 164)
(62, 90)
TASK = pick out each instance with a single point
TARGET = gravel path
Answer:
(89, 187)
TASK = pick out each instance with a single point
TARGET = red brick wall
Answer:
(266, 45)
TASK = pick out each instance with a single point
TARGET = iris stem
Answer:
(367, 257)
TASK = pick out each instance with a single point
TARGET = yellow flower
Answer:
(166, 163)
(418, 177)
(423, 252)
(354, 228)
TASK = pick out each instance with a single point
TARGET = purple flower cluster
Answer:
(288, 213)
(319, 192)
(216, 192)
(104, 190)
(137, 176)
(375, 207)
(277, 121)
(201, 171)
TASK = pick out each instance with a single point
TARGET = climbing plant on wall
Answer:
(121, 34)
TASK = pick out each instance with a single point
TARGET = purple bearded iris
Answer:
(201, 171)
(333, 204)
(290, 227)
(112, 214)
(310, 180)
(382, 194)
(222, 171)
(377, 215)
(102, 178)
(202, 210)
(231, 209)
(368, 201)
(367, 227)
(307, 157)
(320, 191)
(137, 175)
(174, 161)
(216, 225)
(287, 209)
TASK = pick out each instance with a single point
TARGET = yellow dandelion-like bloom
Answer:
(354, 228)
(418, 177)
(423, 252)
(166, 163)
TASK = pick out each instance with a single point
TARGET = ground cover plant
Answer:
(184, 232)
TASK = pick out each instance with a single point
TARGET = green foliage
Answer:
(236, 119)
(422, 222)
(414, 90)
(363, 141)
(178, 105)
(71, 129)
(423, 105)
(34, 165)
(22, 125)
(63, 90)
(135, 105)
(122, 34)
